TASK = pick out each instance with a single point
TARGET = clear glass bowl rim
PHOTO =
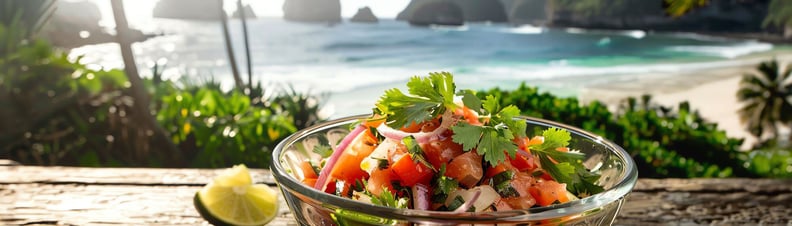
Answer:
(623, 187)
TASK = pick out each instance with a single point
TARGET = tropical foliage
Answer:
(664, 142)
(59, 112)
(767, 100)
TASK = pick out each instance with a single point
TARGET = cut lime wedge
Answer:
(231, 199)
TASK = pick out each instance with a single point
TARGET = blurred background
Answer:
(691, 88)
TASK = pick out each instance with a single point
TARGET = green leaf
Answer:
(429, 97)
(555, 138)
(491, 104)
(467, 135)
(386, 198)
(470, 100)
(445, 185)
(415, 151)
(493, 145)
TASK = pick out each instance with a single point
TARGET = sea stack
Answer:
(470, 10)
(187, 9)
(312, 10)
(364, 15)
(248, 13)
(428, 12)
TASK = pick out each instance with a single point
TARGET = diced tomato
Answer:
(521, 202)
(536, 140)
(546, 176)
(375, 121)
(379, 179)
(466, 169)
(523, 163)
(547, 192)
(347, 168)
(441, 151)
(521, 182)
(412, 128)
(309, 181)
(410, 172)
(495, 170)
(470, 116)
(308, 170)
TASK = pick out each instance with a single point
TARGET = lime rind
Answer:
(231, 199)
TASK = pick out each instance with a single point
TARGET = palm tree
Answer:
(767, 99)
(243, 19)
(138, 91)
(230, 48)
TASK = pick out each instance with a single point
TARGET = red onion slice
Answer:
(322, 180)
(421, 137)
(468, 203)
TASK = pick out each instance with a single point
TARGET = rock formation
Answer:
(364, 15)
(472, 10)
(440, 12)
(187, 9)
(312, 10)
(527, 11)
(68, 29)
(248, 13)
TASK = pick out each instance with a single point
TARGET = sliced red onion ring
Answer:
(421, 137)
(322, 180)
(468, 203)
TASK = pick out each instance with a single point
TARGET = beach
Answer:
(710, 91)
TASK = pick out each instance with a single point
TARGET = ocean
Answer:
(353, 63)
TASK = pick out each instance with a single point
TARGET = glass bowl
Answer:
(313, 207)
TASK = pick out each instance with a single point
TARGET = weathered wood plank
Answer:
(78, 204)
(131, 176)
(140, 196)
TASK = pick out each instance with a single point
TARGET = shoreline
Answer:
(710, 91)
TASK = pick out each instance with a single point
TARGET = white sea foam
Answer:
(729, 52)
(525, 29)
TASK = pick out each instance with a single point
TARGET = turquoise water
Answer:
(355, 62)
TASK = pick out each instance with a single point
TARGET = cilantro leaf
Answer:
(568, 167)
(491, 104)
(445, 185)
(429, 97)
(386, 198)
(493, 144)
(467, 135)
(470, 100)
(415, 151)
(555, 138)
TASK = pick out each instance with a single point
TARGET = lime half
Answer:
(232, 199)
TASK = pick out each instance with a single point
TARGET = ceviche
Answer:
(436, 148)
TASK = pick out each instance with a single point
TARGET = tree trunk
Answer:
(142, 112)
(242, 17)
(240, 85)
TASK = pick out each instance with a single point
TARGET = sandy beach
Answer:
(711, 91)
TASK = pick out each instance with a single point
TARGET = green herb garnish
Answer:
(569, 169)
(415, 151)
(386, 198)
(429, 97)
(493, 139)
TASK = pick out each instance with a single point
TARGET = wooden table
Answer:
(32, 195)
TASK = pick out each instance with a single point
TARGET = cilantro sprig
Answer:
(492, 139)
(386, 198)
(568, 166)
(416, 152)
(428, 97)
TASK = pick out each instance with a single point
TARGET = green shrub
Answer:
(664, 143)
(216, 129)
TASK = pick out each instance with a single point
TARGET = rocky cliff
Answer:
(312, 10)
(68, 29)
(248, 13)
(187, 9)
(364, 15)
(718, 16)
(472, 10)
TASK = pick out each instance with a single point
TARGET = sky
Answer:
(137, 10)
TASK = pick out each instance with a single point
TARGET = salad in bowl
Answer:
(438, 155)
